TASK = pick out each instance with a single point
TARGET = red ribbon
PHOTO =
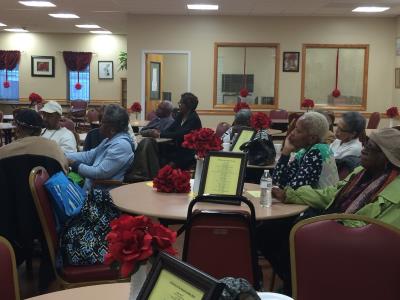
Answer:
(337, 68)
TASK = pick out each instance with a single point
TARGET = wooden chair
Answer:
(9, 287)
(77, 112)
(374, 120)
(332, 261)
(67, 276)
(222, 243)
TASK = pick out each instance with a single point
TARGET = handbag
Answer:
(260, 150)
(68, 197)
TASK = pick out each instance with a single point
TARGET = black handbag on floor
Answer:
(260, 150)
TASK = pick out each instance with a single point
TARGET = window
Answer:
(11, 93)
(84, 80)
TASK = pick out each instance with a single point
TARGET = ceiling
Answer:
(112, 14)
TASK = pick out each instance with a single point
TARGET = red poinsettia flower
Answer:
(202, 141)
(136, 107)
(170, 180)
(6, 84)
(244, 92)
(240, 105)
(260, 120)
(78, 86)
(35, 98)
(307, 103)
(134, 239)
(392, 112)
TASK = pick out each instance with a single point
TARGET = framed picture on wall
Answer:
(291, 61)
(106, 69)
(155, 78)
(42, 66)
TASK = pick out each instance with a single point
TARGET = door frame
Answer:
(143, 72)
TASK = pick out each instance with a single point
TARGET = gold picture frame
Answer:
(397, 78)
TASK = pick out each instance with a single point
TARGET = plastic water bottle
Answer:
(266, 189)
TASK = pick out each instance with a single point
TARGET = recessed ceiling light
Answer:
(202, 6)
(37, 3)
(370, 9)
(2, 24)
(16, 30)
(64, 16)
(101, 32)
(91, 26)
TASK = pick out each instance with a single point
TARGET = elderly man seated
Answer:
(51, 113)
(163, 118)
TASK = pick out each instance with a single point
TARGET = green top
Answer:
(323, 149)
(386, 208)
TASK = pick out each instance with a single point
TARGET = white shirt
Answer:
(63, 137)
(353, 147)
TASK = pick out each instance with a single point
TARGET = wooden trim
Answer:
(276, 81)
(14, 270)
(363, 105)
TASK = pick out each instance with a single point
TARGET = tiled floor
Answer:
(29, 280)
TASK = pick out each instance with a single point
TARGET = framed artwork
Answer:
(42, 66)
(291, 61)
(170, 278)
(155, 75)
(397, 78)
(106, 69)
(223, 174)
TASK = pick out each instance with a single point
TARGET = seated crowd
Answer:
(305, 173)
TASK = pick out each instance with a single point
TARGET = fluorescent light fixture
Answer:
(370, 9)
(100, 32)
(90, 26)
(64, 16)
(202, 6)
(16, 30)
(37, 3)
(2, 24)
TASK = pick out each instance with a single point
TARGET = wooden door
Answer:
(154, 81)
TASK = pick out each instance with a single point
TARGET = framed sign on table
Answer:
(106, 69)
(42, 66)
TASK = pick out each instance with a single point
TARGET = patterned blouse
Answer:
(314, 166)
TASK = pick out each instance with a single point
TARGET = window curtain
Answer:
(8, 61)
(77, 61)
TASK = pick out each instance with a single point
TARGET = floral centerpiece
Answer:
(307, 104)
(392, 113)
(132, 241)
(240, 105)
(35, 99)
(136, 108)
(170, 180)
(259, 121)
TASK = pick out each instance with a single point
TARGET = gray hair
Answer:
(316, 124)
(355, 122)
(243, 117)
(117, 117)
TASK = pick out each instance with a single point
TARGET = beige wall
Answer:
(175, 75)
(198, 34)
(105, 47)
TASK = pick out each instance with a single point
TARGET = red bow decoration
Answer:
(392, 112)
(132, 240)
(170, 180)
(260, 120)
(6, 84)
(240, 105)
(136, 107)
(336, 91)
(78, 86)
(244, 92)
(202, 141)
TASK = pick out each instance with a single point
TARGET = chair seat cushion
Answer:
(88, 273)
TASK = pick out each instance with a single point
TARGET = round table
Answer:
(140, 198)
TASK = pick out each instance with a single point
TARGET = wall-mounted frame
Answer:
(171, 278)
(106, 69)
(397, 78)
(155, 80)
(327, 67)
(291, 61)
(254, 66)
(42, 66)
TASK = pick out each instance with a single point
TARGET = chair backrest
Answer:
(332, 261)
(278, 114)
(78, 108)
(374, 120)
(37, 178)
(221, 243)
(92, 115)
(9, 287)
(222, 128)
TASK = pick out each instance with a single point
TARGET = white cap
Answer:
(52, 107)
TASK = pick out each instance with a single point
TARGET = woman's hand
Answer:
(288, 147)
(279, 194)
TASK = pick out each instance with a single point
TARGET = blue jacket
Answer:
(109, 160)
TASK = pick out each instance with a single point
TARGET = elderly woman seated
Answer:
(371, 190)
(242, 120)
(113, 156)
(313, 162)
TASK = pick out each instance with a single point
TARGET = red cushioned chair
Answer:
(68, 276)
(331, 261)
(374, 120)
(9, 288)
(221, 242)
(77, 112)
